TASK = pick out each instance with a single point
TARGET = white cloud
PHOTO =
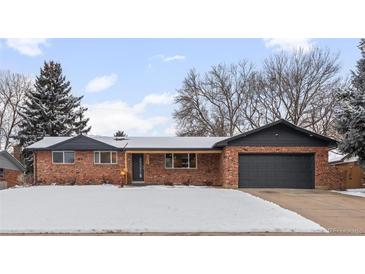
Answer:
(29, 47)
(154, 99)
(108, 116)
(165, 58)
(101, 83)
(174, 58)
(289, 44)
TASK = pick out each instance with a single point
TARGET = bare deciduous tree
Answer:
(13, 86)
(212, 105)
(298, 87)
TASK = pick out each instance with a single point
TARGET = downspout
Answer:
(35, 166)
(125, 171)
(126, 167)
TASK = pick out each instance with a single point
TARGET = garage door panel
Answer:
(276, 170)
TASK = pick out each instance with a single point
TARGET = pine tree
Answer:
(50, 110)
(350, 116)
(120, 134)
(80, 124)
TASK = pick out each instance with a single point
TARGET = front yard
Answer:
(106, 208)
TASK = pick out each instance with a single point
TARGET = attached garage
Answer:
(276, 170)
(278, 155)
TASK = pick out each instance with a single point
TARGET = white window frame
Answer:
(113, 151)
(173, 164)
(63, 157)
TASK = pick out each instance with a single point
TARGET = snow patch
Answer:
(143, 209)
(360, 192)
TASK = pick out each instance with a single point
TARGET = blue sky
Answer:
(129, 84)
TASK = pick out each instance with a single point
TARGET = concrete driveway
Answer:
(338, 213)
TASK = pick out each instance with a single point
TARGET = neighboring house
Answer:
(355, 175)
(279, 155)
(10, 169)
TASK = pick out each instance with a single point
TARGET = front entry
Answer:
(137, 167)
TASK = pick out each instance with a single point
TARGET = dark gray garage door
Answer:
(276, 170)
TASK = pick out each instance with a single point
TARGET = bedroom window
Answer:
(1, 173)
(180, 160)
(105, 157)
(63, 157)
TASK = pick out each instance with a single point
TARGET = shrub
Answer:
(72, 181)
(187, 182)
(25, 179)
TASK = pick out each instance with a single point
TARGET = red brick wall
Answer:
(11, 177)
(207, 171)
(325, 175)
(83, 171)
(218, 169)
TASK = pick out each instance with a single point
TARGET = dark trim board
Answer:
(279, 133)
(82, 142)
(276, 170)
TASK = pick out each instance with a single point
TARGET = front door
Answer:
(137, 164)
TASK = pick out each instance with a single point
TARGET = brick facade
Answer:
(212, 169)
(83, 171)
(325, 175)
(11, 177)
(207, 171)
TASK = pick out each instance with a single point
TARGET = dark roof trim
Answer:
(331, 142)
(169, 149)
(74, 138)
(13, 160)
(79, 149)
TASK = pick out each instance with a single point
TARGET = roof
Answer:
(138, 143)
(7, 161)
(331, 142)
(159, 143)
(47, 142)
(337, 157)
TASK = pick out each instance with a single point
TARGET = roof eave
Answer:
(332, 143)
(12, 159)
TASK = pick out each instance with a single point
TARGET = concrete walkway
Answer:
(339, 214)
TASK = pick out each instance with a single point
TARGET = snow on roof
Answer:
(351, 159)
(161, 142)
(47, 142)
(335, 156)
(8, 161)
(140, 142)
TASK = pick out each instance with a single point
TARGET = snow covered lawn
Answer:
(143, 209)
(354, 192)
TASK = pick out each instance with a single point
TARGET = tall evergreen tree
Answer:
(351, 112)
(50, 109)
